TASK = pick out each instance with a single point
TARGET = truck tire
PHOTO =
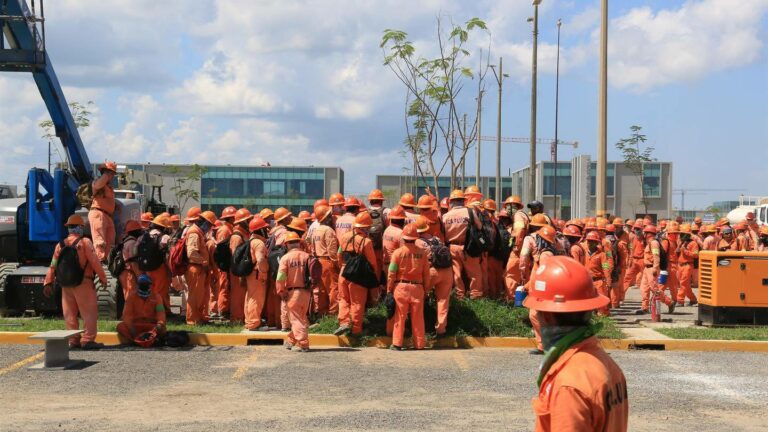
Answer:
(107, 298)
(5, 270)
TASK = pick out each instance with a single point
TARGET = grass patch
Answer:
(45, 324)
(717, 333)
(610, 330)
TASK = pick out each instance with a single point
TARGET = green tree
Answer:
(81, 114)
(636, 154)
(183, 187)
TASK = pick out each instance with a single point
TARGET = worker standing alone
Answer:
(102, 208)
(408, 274)
(293, 289)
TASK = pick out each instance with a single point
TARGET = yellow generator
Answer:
(733, 288)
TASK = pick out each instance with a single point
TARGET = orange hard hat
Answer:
(685, 229)
(547, 233)
(426, 202)
(321, 201)
(618, 221)
(539, 220)
(305, 215)
(590, 226)
(376, 195)
(166, 214)
(473, 190)
(266, 213)
(282, 213)
(741, 226)
(291, 236)
(336, 199)
(397, 213)
(514, 199)
(407, 200)
(723, 221)
(243, 215)
(601, 224)
(298, 224)
(572, 231)
(764, 230)
(592, 236)
(650, 229)
(697, 220)
(193, 214)
(175, 218)
(629, 222)
(711, 229)
(456, 194)
(352, 202)
(108, 166)
(209, 216)
(563, 285)
(610, 228)
(132, 225)
(410, 232)
(257, 223)
(503, 214)
(489, 205)
(322, 212)
(694, 228)
(577, 223)
(228, 212)
(162, 221)
(638, 224)
(216, 225)
(363, 220)
(673, 227)
(147, 217)
(444, 203)
(422, 224)
(663, 224)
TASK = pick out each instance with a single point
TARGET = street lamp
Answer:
(557, 109)
(499, 79)
(602, 114)
(532, 173)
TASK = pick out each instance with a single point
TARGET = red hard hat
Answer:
(410, 232)
(572, 231)
(147, 217)
(593, 236)
(305, 215)
(175, 218)
(256, 224)
(444, 203)
(650, 229)
(610, 228)
(321, 201)
(228, 212)
(563, 285)
(108, 166)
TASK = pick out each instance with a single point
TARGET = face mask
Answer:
(205, 226)
(77, 230)
(551, 334)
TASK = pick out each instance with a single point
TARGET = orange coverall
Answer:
(256, 283)
(353, 297)
(623, 261)
(440, 280)
(670, 245)
(141, 315)
(161, 276)
(408, 273)
(212, 285)
(128, 278)
(599, 269)
(274, 305)
(344, 225)
(540, 258)
(224, 234)
(577, 252)
(648, 283)
(513, 278)
(237, 284)
(291, 286)
(688, 252)
(100, 217)
(456, 223)
(80, 299)
(391, 241)
(197, 276)
(584, 390)
(325, 246)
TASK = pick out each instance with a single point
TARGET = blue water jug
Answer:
(663, 277)
(520, 295)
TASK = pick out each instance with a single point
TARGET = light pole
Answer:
(479, 135)
(532, 173)
(602, 113)
(499, 79)
(557, 110)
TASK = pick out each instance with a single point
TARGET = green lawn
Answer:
(44, 324)
(718, 333)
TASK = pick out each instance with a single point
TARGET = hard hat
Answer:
(228, 212)
(590, 226)
(663, 224)
(363, 220)
(601, 223)
(444, 203)
(547, 233)
(723, 221)
(422, 224)
(166, 214)
(108, 166)
(489, 205)
(216, 225)
(162, 221)
(193, 214)
(638, 224)
(697, 220)
(514, 199)
(473, 190)
(75, 220)
(711, 229)
(242, 215)
(376, 195)
(503, 214)
(650, 229)
(630, 223)
(685, 229)
(397, 213)
(282, 213)
(256, 223)
(535, 205)
(764, 230)
(298, 224)
(426, 202)
(209, 216)
(407, 200)
(456, 195)
(132, 225)
(694, 228)
(741, 226)
(175, 218)
(305, 215)
(750, 216)
(266, 213)
(618, 221)
(322, 212)
(410, 232)
(539, 220)
(321, 201)
(577, 223)
(352, 202)
(563, 285)
(291, 236)
(560, 225)
(610, 228)
(673, 227)
(572, 231)
(592, 236)
(147, 217)
(336, 199)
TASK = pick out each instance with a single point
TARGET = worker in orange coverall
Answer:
(256, 282)
(325, 246)
(440, 274)
(543, 249)
(102, 208)
(292, 287)
(197, 273)
(580, 387)
(688, 251)
(131, 272)
(599, 267)
(238, 285)
(652, 262)
(81, 298)
(406, 280)
(144, 312)
(456, 223)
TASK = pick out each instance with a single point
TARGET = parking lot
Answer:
(266, 387)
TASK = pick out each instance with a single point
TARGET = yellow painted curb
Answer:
(325, 340)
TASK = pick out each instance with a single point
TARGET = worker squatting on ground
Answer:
(102, 208)
(143, 320)
(580, 387)
(74, 267)
(293, 288)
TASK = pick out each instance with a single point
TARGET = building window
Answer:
(652, 180)
(609, 179)
(274, 188)
(563, 179)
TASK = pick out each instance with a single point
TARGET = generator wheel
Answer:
(5, 270)
(107, 297)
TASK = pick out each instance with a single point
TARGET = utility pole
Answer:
(557, 110)
(532, 171)
(499, 81)
(602, 113)
(480, 92)
(464, 153)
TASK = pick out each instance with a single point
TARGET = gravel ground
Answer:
(266, 387)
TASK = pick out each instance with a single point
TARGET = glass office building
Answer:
(393, 186)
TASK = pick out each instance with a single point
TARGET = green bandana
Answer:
(555, 351)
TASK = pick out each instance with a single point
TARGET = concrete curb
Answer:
(323, 340)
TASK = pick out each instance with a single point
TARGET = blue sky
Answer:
(302, 82)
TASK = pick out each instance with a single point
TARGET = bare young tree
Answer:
(635, 158)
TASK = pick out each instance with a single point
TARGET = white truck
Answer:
(754, 204)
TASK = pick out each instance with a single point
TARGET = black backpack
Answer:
(663, 257)
(222, 255)
(476, 242)
(441, 254)
(358, 270)
(376, 231)
(116, 262)
(502, 244)
(489, 230)
(68, 271)
(274, 253)
(150, 256)
(242, 264)
(615, 254)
